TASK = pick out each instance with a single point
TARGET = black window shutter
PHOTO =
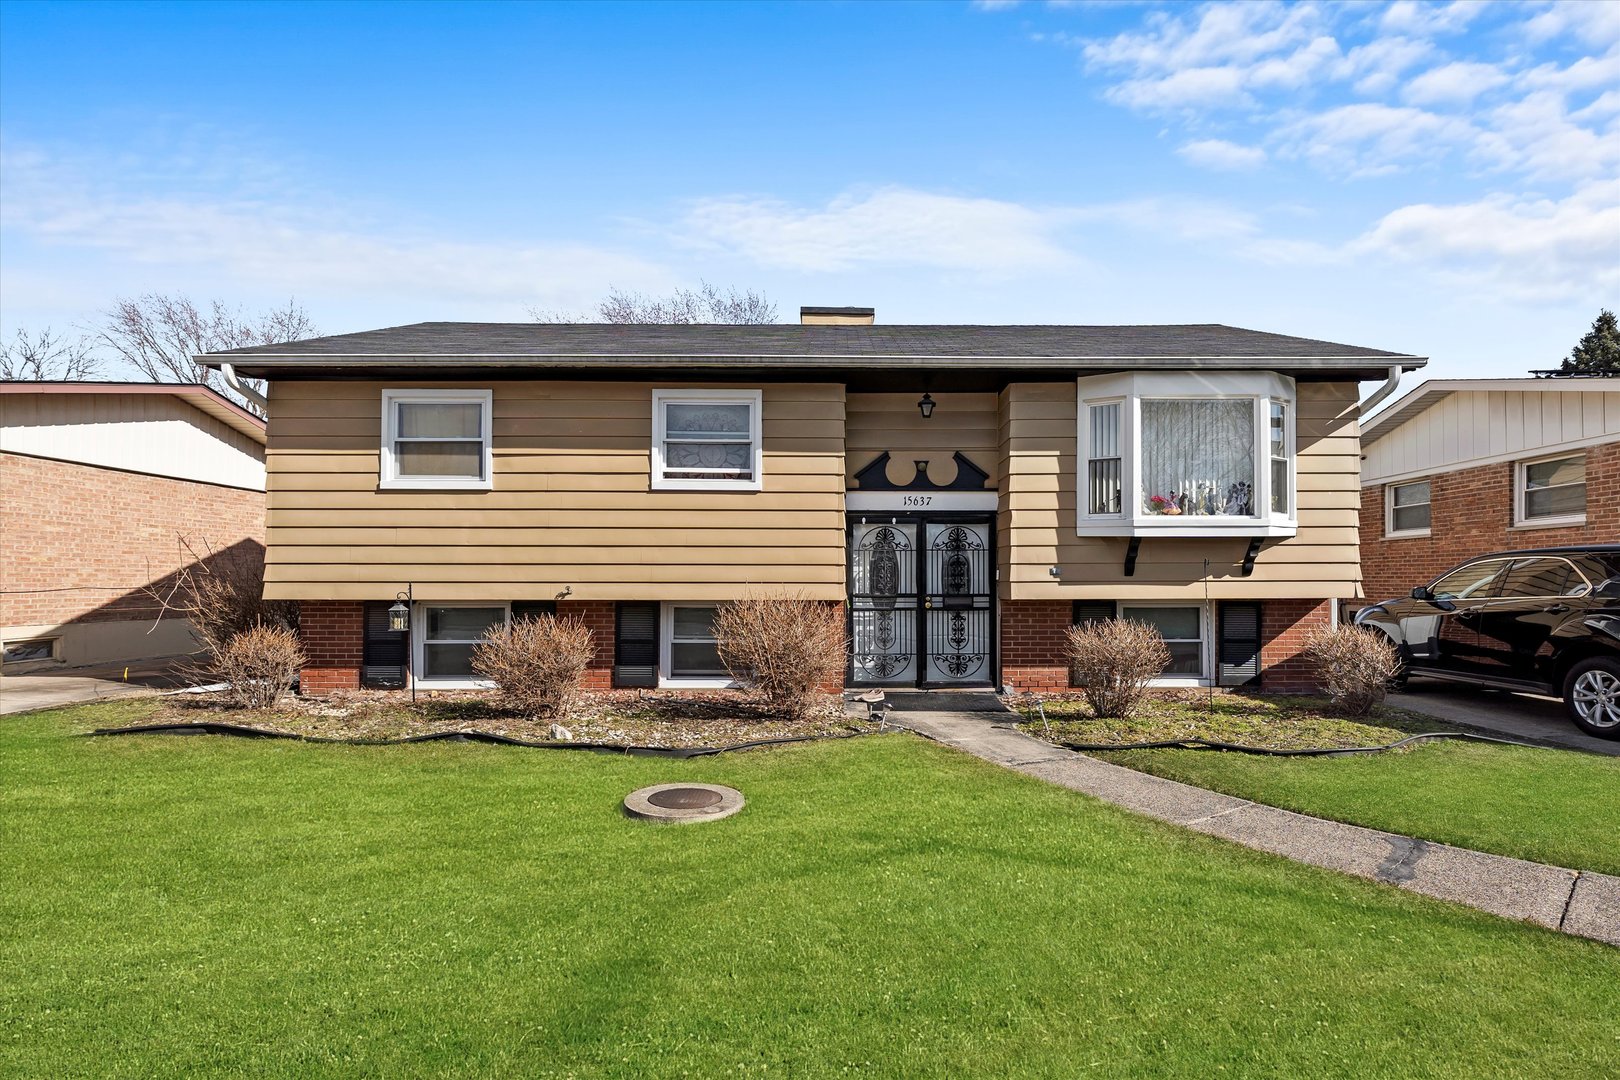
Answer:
(530, 609)
(1087, 611)
(1239, 644)
(382, 657)
(635, 650)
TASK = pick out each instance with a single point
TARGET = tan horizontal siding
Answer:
(570, 507)
(1039, 484)
(892, 422)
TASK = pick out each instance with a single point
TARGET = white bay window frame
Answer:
(1129, 390)
(390, 478)
(660, 481)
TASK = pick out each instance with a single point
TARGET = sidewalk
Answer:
(1574, 901)
(54, 688)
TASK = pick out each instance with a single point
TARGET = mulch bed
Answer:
(654, 718)
(1277, 721)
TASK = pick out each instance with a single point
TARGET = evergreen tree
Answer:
(1598, 353)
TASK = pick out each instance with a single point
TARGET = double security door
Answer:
(922, 600)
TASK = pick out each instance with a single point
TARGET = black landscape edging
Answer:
(211, 727)
(1335, 751)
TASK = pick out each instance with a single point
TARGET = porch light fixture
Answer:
(926, 405)
(399, 616)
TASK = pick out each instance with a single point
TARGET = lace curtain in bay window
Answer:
(1198, 457)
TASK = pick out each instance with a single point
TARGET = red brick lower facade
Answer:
(598, 616)
(1471, 514)
(333, 635)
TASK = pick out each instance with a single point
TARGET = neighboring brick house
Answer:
(966, 493)
(1460, 467)
(102, 486)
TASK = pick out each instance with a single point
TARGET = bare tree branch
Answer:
(708, 304)
(48, 357)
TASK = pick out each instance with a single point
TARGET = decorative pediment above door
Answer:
(875, 476)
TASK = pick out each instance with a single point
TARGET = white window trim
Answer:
(419, 644)
(1521, 519)
(666, 640)
(754, 399)
(389, 480)
(1259, 387)
(1206, 651)
(1390, 531)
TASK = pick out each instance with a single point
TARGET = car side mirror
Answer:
(1422, 593)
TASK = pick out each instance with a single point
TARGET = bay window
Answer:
(1187, 454)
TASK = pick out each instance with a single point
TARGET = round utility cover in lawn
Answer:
(682, 803)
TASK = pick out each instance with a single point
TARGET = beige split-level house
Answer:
(965, 492)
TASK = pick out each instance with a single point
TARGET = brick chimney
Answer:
(835, 316)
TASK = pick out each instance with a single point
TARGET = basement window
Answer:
(690, 655)
(1187, 454)
(445, 640)
(25, 652)
(436, 439)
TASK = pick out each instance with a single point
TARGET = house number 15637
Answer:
(917, 500)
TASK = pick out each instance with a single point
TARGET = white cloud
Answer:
(1596, 22)
(258, 238)
(1425, 17)
(1198, 88)
(1378, 65)
(1222, 155)
(1457, 83)
(1527, 248)
(1368, 138)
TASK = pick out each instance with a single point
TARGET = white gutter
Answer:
(252, 396)
(1379, 396)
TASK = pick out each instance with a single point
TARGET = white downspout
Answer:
(258, 400)
(1390, 385)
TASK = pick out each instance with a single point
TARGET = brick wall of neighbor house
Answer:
(99, 537)
(333, 635)
(1471, 513)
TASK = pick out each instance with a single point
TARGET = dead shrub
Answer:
(258, 665)
(1354, 666)
(1113, 661)
(221, 594)
(789, 649)
(537, 664)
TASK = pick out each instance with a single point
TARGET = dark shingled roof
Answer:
(793, 348)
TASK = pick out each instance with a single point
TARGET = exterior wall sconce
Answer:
(399, 616)
(1055, 571)
(926, 405)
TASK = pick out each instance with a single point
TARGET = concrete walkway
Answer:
(55, 687)
(1529, 717)
(1574, 901)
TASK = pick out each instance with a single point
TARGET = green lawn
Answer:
(1553, 806)
(197, 905)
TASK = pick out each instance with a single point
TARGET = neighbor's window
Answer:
(449, 633)
(1552, 491)
(706, 439)
(436, 438)
(19, 652)
(693, 651)
(1408, 507)
(1189, 453)
(1102, 462)
(1183, 631)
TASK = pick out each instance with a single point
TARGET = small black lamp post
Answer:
(399, 621)
(926, 405)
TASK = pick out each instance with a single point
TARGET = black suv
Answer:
(1547, 621)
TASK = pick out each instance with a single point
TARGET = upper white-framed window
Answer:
(1406, 509)
(707, 440)
(442, 639)
(1187, 454)
(688, 654)
(437, 439)
(1550, 490)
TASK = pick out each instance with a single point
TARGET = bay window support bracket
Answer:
(1249, 556)
(1130, 555)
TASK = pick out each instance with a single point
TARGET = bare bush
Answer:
(787, 648)
(1354, 666)
(537, 664)
(220, 593)
(1113, 661)
(258, 665)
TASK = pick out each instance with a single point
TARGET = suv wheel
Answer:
(1592, 696)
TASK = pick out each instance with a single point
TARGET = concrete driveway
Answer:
(50, 689)
(1529, 717)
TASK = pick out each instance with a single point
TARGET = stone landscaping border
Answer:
(212, 727)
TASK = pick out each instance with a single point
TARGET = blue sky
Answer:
(1435, 178)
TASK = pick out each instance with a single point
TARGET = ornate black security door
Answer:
(921, 602)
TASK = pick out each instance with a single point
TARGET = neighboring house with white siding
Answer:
(1460, 467)
(102, 488)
